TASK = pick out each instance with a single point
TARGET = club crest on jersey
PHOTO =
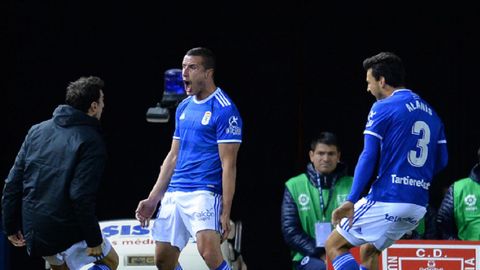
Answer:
(206, 118)
(182, 116)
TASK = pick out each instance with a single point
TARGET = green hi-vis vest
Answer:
(307, 198)
(421, 227)
(466, 202)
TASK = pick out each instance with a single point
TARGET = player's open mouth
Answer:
(188, 85)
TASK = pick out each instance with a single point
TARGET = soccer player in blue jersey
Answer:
(404, 141)
(196, 183)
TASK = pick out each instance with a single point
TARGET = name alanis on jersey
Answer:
(406, 180)
(411, 106)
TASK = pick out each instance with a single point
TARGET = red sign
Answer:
(432, 255)
(429, 255)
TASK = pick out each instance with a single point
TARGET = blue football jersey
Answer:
(410, 132)
(200, 126)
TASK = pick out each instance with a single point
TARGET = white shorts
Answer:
(183, 214)
(76, 256)
(380, 223)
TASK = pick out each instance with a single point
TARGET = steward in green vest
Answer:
(311, 197)
(459, 214)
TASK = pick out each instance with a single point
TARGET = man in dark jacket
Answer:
(309, 200)
(49, 196)
(459, 214)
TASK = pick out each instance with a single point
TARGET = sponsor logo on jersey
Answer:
(206, 117)
(233, 128)
(407, 181)
(204, 215)
(411, 220)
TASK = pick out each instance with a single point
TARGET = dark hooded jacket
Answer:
(446, 217)
(293, 233)
(50, 192)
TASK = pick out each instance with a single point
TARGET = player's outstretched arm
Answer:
(365, 167)
(147, 207)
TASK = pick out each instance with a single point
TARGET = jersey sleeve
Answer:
(229, 125)
(377, 122)
(178, 113)
(365, 167)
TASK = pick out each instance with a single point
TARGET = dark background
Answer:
(293, 69)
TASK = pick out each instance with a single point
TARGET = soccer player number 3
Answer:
(420, 128)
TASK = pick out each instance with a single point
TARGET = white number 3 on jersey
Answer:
(415, 158)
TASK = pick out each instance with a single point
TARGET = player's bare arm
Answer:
(147, 207)
(228, 156)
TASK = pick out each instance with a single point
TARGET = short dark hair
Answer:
(327, 138)
(387, 65)
(82, 92)
(206, 54)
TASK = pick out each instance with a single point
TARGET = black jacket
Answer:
(50, 192)
(292, 230)
(445, 217)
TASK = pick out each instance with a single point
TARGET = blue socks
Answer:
(363, 267)
(99, 267)
(223, 266)
(345, 262)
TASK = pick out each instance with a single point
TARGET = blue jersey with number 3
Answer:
(200, 126)
(410, 133)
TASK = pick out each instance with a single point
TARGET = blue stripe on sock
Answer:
(223, 266)
(345, 262)
(99, 267)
